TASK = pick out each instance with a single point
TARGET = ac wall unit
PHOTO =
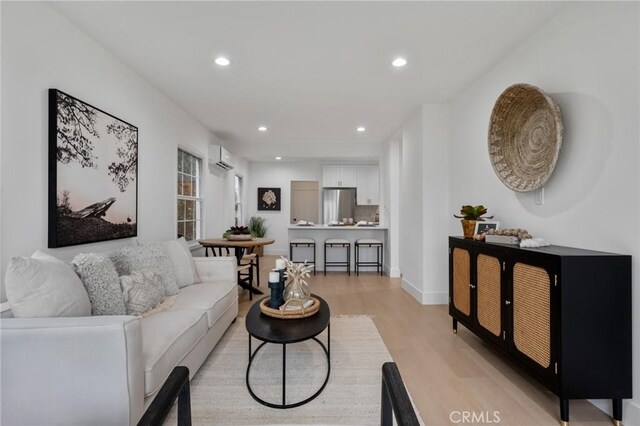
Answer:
(220, 158)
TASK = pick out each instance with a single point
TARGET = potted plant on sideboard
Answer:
(470, 215)
(258, 230)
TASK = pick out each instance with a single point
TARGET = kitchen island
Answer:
(321, 233)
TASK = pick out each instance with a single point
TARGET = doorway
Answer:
(304, 201)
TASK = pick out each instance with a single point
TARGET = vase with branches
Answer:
(297, 288)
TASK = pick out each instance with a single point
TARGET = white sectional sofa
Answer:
(105, 370)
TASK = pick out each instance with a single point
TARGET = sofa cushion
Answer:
(213, 298)
(166, 338)
(43, 286)
(100, 279)
(151, 258)
(142, 291)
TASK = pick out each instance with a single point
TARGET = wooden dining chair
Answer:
(253, 259)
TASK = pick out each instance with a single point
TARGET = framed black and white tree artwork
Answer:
(269, 199)
(93, 173)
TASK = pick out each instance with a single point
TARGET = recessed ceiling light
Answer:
(360, 129)
(222, 61)
(278, 158)
(399, 62)
(262, 128)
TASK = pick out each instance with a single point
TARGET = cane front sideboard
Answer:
(562, 314)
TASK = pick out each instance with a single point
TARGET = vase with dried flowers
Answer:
(297, 288)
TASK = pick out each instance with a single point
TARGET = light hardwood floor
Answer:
(445, 373)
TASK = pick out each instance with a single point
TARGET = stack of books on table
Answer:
(502, 239)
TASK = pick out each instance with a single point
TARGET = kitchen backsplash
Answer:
(365, 212)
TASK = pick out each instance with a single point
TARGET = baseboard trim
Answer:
(435, 298)
(631, 413)
(604, 405)
(412, 290)
(425, 298)
(630, 410)
(394, 272)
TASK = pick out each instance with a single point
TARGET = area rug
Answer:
(219, 394)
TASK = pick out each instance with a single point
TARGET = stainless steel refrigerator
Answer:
(338, 203)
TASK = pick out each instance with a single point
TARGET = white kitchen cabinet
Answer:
(330, 176)
(349, 176)
(339, 176)
(368, 185)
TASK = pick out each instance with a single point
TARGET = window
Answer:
(238, 199)
(189, 196)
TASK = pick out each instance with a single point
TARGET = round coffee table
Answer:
(284, 332)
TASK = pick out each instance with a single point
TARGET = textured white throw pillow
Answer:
(181, 260)
(101, 281)
(149, 258)
(43, 286)
(142, 292)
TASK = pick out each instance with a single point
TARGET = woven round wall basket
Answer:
(525, 136)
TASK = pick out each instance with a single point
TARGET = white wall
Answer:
(278, 174)
(423, 203)
(411, 217)
(435, 202)
(587, 59)
(42, 50)
(390, 173)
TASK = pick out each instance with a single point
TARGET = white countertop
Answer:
(337, 228)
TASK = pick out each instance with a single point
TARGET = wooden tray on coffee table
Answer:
(290, 314)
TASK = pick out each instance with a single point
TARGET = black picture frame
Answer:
(485, 225)
(269, 199)
(93, 166)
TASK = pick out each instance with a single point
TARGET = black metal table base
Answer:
(284, 405)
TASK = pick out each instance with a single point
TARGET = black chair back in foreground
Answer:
(395, 399)
(176, 387)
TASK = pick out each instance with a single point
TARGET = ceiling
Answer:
(309, 71)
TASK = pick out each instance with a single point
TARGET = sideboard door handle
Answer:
(507, 302)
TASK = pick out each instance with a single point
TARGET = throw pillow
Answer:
(151, 258)
(181, 260)
(185, 248)
(142, 292)
(164, 306)
(101, 281)
(43, 286)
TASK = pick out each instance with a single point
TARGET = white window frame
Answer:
(238, 200)
(199, 198)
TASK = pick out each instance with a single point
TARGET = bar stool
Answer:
(333, 243)
(303, 242)
(369, 243)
